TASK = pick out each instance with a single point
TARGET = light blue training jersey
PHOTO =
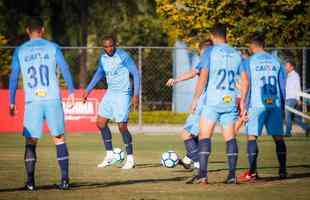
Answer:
(223, 63)
(267, 81)
(116, 69)
(36, 59)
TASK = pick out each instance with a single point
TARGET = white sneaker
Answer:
(130, 164)
(107, 161)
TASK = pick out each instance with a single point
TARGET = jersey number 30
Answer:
(36, 77)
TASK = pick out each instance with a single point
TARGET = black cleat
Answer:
(197, 180)
(30, 187)
(283, 175)
(185, 165)
(231, 180)
(64, 185)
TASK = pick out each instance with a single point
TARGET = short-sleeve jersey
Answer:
(223, 63)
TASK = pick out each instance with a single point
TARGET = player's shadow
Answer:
(91, 185)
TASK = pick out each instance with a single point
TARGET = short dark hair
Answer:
(109, 37)
(289, 59)
(35, 23)
(219, 30)
(205, 43)
(258, 39)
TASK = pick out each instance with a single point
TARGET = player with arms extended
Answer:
(220, 66)
(36, 60)
(190, 131)
(116, 65)
(265, 104)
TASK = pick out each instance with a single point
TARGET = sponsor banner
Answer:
(80, 118)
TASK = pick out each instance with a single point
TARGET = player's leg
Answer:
(254, 126)
(30, 162)
(127, 139)
(207, 124)
(281, 155)
(189, 135)
(63, 160)
(33, 120)
(227, 121)
(54, 116)
(121, 109)
(274, 127)
(105, 113)
(289, 117)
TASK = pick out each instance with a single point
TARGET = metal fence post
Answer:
(304, 77)
(140, 92)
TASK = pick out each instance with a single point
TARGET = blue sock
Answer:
(204, 152)
(252, 155)
(281, 154)
(192, 149)
(232, 155)
(127, 139)
(107, 138)
(63, 160)
(30, 162)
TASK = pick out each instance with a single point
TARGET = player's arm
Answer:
(99, 74)
(244, 86)
(183, 77)
(282, 85)
(64, 68)
(203, 67)
(133, 70)
(13, 83)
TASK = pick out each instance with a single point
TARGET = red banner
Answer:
(80, 118)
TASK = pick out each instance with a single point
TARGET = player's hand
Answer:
(135, 101)
(12, 109)
(171, 82)
(71, 100)
(84, 96)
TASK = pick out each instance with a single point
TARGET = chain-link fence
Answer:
(156, 65)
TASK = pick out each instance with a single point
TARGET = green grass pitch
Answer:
(149, 180)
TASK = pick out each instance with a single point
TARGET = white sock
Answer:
(109, 153)
(130, 158)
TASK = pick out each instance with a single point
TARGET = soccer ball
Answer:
(119, 154)
(169, 159)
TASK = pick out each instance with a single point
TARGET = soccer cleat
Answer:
(64, 185)
(107, 161)
(247, 176)
(30, 187)
(184, 164)
(130, 164)
(197, 180)
(231, 180)
(282, 175)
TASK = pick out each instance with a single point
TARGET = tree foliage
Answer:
(285, 22)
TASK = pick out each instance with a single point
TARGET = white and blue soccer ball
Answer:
(118, 154)
(169, 159)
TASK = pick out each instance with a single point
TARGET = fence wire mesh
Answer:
(156, 67)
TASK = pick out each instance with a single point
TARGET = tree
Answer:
(285, 22)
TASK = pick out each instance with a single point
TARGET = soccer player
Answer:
(190, 131)
(265, 104)
(116, 65)
(220, 64)
(36, 60)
